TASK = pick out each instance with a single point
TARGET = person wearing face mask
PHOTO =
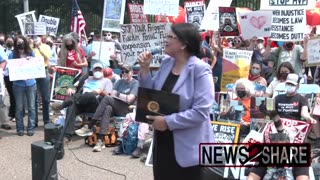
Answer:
(9, 45)
(87, 100)
(2, 40)
(255, 74)
(244, 89)
(289, 52)
(292, 105)
(281, 76)
(123, 95)
(260, 45)
(53, 59)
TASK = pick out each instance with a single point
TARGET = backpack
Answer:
(130, 139)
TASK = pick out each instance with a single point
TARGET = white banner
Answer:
(286, 4)
(136, 38)
(52, 23)
(103, 51)
(313, 51)
(288, 25)
(210, 20)
(113, 15)
(26, 68)
(161, 7)
(256, 23)
(27, 17)
(37, 28)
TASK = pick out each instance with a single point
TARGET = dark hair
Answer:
(260, 64)
(286, 65)
(27, 48)
(189, 35)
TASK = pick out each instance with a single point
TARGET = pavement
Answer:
(15, 160)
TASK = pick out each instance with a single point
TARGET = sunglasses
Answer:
(125, 71)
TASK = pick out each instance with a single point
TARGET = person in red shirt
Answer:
(71, 55)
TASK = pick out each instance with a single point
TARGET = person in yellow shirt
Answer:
(43, 50)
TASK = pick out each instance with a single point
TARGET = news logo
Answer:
(255, 155)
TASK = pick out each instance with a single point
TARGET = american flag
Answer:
(78, 23)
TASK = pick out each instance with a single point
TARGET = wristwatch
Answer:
(118, 94)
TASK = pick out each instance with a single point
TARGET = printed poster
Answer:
(228, 21)
(194, 12)
(26, 68)
(288, 25)
(225, 132)
(36, 28)
(52, 23)
(235, 65)
(210, 20)
(28, 17)
(113, 15)
(136, 38)
(286, 4)
(63, 79)
(136, 14)
(161, 7)
(256, 23)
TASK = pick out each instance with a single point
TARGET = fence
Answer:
(91, 9)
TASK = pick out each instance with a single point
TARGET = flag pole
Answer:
(85, 35)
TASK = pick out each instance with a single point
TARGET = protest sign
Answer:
(103, 51)
(286, 4)
(136, 14)
(225, 132)
(28, 17)
(194, 12)
(210, 20)
(228, 21)
(161, 7)
(63, 79)
(256, 23)
(36, 28)
(26, 68)
(288, 25)
(113, 15)
(297, 130)
(235, 65)
(313, 52)
(136, 38)
(52, 23)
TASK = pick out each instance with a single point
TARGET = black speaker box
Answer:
(51, 135)
(43, 154)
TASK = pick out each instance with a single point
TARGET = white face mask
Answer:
(260, 46)
(290, 89)
(97, 74)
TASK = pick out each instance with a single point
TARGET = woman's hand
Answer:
(159, 122)
(145, 59)
(70, 91)
(313, 121)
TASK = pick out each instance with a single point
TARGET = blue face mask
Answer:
(280, 43)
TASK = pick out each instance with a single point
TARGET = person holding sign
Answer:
(177, 136)
(24, 88)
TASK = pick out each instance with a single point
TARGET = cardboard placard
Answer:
(288, 25)
(63, 79)
(26, 68)
(28, 17)
(52, 23)
(113, 15)
(136, 14)
(286, 4)
(136, 38)
(225, 132)
(194, 12)
(313, 52)
(161, 7)
(228, 21)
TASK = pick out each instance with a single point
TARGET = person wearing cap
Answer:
(93, 87)
(108, 73)
(123, 95)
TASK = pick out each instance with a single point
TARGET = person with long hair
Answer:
(24, 88)
(177, 136)
(70, 54)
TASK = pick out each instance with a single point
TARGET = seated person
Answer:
(123, 95)
(86, 101)
(293, 106)
(108, 73)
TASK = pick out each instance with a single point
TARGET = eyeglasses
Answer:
(237, 41)
(125, 71)
(171, 37)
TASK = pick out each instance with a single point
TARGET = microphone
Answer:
(154, 51)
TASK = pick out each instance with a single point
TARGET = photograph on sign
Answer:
(161, 7)
(113, 15)
(256, 23)
(28, 17)
(228, 21)
(52, 23)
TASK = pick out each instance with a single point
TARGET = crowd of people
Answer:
(192, 69)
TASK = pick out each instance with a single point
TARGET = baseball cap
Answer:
(260, 38)
(97, 65)
(126, 67)
(107, 72)
(292, 79)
